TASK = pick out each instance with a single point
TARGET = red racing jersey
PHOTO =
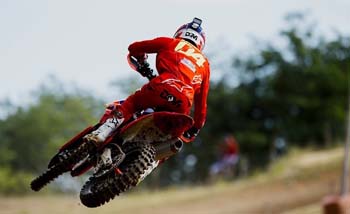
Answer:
(185, 68)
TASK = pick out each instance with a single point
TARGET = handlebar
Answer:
(142, 68)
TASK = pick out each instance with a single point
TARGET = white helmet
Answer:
(193, 33)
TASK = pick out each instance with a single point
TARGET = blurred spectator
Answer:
(228, 159)
(279, 148)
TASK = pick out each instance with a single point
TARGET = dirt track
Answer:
(299, 185)
(229, 198)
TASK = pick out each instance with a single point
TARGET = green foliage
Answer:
(128, 85)
(14, 182)
(32, 134)
(299, 93)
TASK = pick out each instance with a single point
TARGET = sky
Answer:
(84, 42)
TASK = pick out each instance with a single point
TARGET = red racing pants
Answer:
(163, 93)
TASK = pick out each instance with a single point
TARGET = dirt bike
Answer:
(137, 147)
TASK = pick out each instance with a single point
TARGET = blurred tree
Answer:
(298, 93)
(306, 86)
(128, 85)
(32, 134)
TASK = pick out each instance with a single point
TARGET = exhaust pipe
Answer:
(168, 148)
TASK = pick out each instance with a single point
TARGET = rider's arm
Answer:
(149, 46)
(200, 109)
(200, 102)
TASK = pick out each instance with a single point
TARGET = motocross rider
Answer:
(183, 80)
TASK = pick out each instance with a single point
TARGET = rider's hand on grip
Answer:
(189, 135)
(140, 64)
(142, 59)
(145, 70)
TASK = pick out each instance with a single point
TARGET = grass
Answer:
(294, 184)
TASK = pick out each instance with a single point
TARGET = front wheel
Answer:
(65, 164)
(139, 160)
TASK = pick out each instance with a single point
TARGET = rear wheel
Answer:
(140, 158)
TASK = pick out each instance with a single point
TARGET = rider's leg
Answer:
(156, 94)
(153, 94)
(100, 135)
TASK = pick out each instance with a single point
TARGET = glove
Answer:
(137, 62)
(189, 135)
(142, 59)
(144, 69)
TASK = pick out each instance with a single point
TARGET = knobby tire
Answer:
(98, 191)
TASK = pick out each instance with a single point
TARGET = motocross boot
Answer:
(98, 136)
